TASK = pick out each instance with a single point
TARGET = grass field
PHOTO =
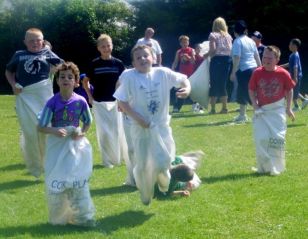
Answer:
(232, 202)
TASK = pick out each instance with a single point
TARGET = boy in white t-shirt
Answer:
(144, 95)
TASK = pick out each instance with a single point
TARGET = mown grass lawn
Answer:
(232, 202)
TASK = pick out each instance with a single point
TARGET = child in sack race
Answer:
(269, 87)
(68, 163)
(144, 95)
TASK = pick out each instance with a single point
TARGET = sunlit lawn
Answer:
(232, 202)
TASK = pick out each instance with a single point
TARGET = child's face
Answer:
(292, 47)
(105, 48)
(143, 60)
(269, 60)
(198, 50)
(66, 80)
(34, 42)
(184, 43)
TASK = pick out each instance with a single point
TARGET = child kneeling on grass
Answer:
(68, 162)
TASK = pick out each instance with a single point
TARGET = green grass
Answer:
(232, 202)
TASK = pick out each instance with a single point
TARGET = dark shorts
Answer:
(296, 89)
(243, 78)
(220, 67)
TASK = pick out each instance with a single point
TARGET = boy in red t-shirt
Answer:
(270, 85)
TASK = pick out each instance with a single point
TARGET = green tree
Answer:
(71, 26)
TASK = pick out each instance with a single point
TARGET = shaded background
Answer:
(73, 25)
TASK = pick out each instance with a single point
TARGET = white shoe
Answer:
(305, 103)
(241, 119)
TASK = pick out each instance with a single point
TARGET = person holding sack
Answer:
(269, 87)
(68, 164)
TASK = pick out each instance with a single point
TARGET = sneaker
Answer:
(175, 110)
(241, 119)
(305, 103)
(296, 109)
(196, 107)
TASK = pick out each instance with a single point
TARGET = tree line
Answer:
(72, 26)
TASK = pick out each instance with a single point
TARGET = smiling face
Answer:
(269, 60)
(34, 41)
(143, 59)
(105, 48)
(67, 81)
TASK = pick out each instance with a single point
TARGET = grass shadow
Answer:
(12, 167)
(106, 225)
(230, 177)
(292, 125)
(112, 190)
(219, 123)
(17, 184)
(127, 219)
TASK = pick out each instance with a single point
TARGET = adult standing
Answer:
(257, 38)
(149, 41)
(245, 58)
(220, 65)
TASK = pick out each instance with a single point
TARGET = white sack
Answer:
(29, 103)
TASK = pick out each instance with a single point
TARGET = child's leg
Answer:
(82, 206)
(59, 208)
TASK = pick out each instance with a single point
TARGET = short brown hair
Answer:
(275, 50)
(139, 47)
(68, 65)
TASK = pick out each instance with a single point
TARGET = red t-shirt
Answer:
(270, 86)
(186, 66)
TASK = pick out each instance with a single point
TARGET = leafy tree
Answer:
(71, 26)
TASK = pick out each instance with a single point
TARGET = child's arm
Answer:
(184, 193)
(185, 89)
(294, 77)
(60, 132)
(86, 86)
(126, 108)
(289, 111)
(252, 96)
(10, 76)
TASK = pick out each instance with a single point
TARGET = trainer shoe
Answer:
(305, 103)
(296, 108)
(241, 119)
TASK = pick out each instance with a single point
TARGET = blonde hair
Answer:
(103, 37)
(34, 31)
(219, 25)
(183, 37)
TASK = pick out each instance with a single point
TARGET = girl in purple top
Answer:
(68, 161)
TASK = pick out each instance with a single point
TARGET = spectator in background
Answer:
(220, 65)
(185, 60)
(257, 38)
(245, 59)
(295, 68)
(149, 41)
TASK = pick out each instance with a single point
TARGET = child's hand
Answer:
(182, 93)
(290, 114)
(186, 193)
(60, 132)
(77, 136)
